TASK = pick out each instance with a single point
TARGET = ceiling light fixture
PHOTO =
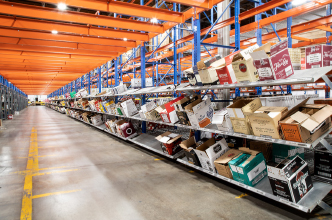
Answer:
(125, 39)
(54, 32)
(154, 20)
(62, 6)
(298, 2)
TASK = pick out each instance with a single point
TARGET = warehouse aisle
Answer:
(63, 169)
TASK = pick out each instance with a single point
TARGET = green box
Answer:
(250, 168)
(72, 94)
(281, 151)
(236, 161)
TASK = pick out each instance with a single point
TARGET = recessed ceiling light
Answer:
(125, 39)
(54, 32)
(62, 6)
(154, 20)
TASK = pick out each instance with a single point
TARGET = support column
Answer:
(143, 81)
(197, 40)
(99, 79)
(223, 33)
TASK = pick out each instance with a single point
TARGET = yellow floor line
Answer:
(54, 193)
(52, 172)
(32, 166)
(38, 156)
(48, 168)
(242, 195)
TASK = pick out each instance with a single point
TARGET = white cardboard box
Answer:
(207, 153)
(201, 114)
(129, 107)
(222, 120)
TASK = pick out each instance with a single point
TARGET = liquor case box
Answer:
(318, 56)
(290, 179)
(222, 121)
(170, 142)
(280, 152)
(323, 163)
(221, 163)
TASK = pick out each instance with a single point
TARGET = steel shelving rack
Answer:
(159, 65)
(11, 98)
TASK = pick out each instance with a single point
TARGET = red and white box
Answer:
(167, 111)
(281, 60)
(225, 70)
(318, 56)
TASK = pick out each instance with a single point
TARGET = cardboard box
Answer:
(225, 70)
(209, 151)
(136, 83)
(323, 163)
(127, 130)
(167, 111)
(221, 163)
(264, 121)
(318, 56)
(239, 111)
(152, 115)
(181, 106)
(281, 152)
(281, 60)
(262, 62)
(249, 167)
(235, 142)
(188, 146)
(306, 123)
(243, 67)
(148, 82)
(264, 147)
(170, 142)
(193, 77)
(201, 114)
(209, 76)
(295, 55)
(222, 120)
(291, 179)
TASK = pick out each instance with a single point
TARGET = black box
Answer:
(323, 163)
(290, 179)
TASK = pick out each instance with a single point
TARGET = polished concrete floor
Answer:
(82, 173)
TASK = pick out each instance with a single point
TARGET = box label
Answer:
(257, 170)
(291, 132)
(282, 65)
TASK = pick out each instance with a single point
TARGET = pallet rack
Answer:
(307, 204)
(11, 99)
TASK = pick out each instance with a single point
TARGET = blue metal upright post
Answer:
(175, 66)
(143, 81)
(89, 82)
(116, 72)
(99, 79)
(197, 40)
(328, 34)
(289, 27)
(258, 17)
(237, 25)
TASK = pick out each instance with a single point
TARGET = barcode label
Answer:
(288, 70)
(324, 174)
(315, 66)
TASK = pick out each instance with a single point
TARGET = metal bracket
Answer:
(326, 145)
(325, 206)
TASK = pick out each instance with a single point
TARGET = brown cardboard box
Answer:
(306, 123)
(239, 111)
(264, 122)
(243, 67)
(221, 163)
(188, 146)
(264, 147)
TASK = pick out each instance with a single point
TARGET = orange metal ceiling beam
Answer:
(47, 65)
(37, 62)
(109, 55)
(36, 68)
(34, 24)
(308, 7)
(60, 44)
(205, 4)
(21, 33)
(124, 9)
(50, 59)
(77, 17)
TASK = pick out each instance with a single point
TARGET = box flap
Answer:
(300, 117)
(228, 156)
(171, 137)
(190, 143)
(248, 151)
(219, 63)
(322, 114)
(294, 109)
(217, 148)
(191, 105)
(259, 55)
(266, 48)
(252, 106)
(206, 144)
(161, 108)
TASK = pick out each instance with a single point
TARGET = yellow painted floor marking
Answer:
(191, 171)
(38, 156)
(54, 193)
(59, 171)
(32, 166)
(242, 195)
(48, 168)
(32, 169)
(159, 159)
